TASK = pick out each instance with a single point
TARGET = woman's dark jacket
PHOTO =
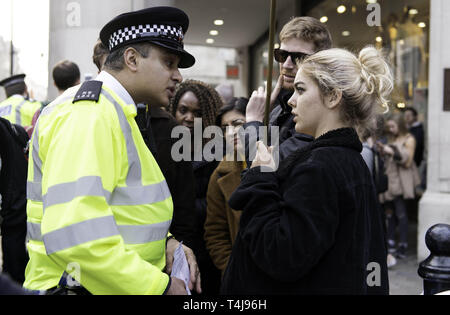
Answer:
(210, 275)
(156, 128)
(312, 227)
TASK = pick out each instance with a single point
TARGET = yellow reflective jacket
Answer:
(97, 200)
(19, 110)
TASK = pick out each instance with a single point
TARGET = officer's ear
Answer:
(131, 57)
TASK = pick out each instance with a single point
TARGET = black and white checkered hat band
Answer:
(129, 33)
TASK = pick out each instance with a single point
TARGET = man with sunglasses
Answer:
(300, 37)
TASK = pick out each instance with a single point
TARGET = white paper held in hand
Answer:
(180, 267)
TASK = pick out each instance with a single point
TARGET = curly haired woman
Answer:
(196, 102)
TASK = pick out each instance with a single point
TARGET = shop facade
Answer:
(414, 35)
(400, 28)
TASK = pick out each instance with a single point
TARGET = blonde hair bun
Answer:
(377, 74)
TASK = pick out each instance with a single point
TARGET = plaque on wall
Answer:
(447, 90)
(232, 72)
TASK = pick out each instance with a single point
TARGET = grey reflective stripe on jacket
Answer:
(98, 228)
(92, 187)
(18, 114)
(34, 189)
(80, 233)
(34, 231)
(134, 164)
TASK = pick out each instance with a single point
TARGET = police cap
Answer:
(15, 79)
(162, 26)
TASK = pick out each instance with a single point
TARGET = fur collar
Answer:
(345, 137)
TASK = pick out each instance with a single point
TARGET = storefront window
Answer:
(402, 33)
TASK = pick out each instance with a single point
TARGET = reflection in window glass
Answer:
(403, 34)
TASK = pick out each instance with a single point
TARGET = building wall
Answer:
(30, 43)
(74, 40)
(211, 67)
(435, 204)
(74, 30)
(75, 27)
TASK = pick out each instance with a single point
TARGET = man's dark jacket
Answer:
(419, 134)
(312, 227)
(156, 128)
(13, 175)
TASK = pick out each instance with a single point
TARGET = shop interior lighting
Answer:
(324, 19)
(371, 1)
(345, 33)
(214, 33)
(422, 25)
(276, 46)
(401, 105)
(218, 22)
(413, 11)
(379, 39)
(210, 41)
(341, 9)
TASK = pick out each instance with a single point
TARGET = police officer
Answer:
(99, 207)
(18, 108)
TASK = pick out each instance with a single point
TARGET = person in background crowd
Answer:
(300, 37)
(66, 74)
(226, 92)
(18, 108)
(101, 52)
(367, 152)
(312, 225)
(196, 102)
(96, 196)
(222, 222)
(403, 177)
(369, 137)
(156, 127)
(13, 185)
(416, 129)
(374, 160)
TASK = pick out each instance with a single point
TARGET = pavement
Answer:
(403, 277)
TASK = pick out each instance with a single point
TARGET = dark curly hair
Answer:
(208, 100)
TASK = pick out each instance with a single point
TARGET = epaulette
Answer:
(89, 91)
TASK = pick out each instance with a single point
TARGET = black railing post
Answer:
(435, 270)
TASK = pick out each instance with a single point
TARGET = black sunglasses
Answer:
(282, 55)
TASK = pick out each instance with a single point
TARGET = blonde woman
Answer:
(312, 226)
(403, 177)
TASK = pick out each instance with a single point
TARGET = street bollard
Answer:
(435, 270)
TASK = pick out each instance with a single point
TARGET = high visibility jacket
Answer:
(18, 110)
(98, 205)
